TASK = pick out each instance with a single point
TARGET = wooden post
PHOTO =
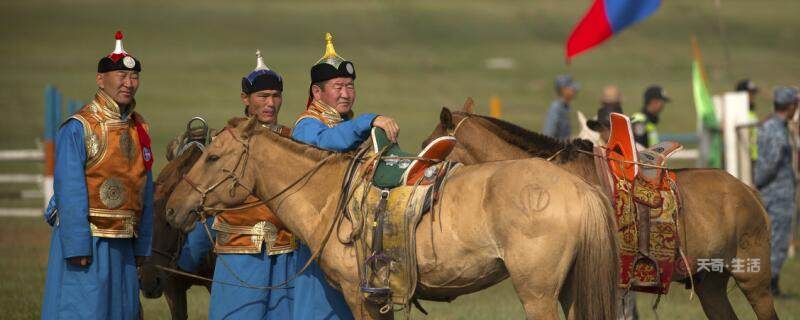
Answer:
(494, 107)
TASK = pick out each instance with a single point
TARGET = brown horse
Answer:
(721, 218)
(546, 229)
(167, 243)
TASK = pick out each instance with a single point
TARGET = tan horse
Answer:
(167, 243)
(546, 229)
(722, 218)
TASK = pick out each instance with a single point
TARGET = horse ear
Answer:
(468, 105)
(446, 118)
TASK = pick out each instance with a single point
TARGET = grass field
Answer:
(412, 57)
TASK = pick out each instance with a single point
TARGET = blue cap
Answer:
(565, 81)
(785, 95)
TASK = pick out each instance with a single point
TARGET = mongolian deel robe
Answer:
(102, 209)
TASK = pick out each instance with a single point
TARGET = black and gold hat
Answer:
(331, 65)
(118, 59)
(262, 78)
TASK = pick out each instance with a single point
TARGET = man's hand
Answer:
(388, 125)
(80, 261)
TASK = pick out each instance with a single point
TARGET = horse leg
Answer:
(175, 293)
(537, 280)
(756, 285)
(713, 295)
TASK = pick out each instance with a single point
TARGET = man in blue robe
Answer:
(101, 210)
(253, 247)
(328, 123)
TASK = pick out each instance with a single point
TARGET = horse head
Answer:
(221, 177)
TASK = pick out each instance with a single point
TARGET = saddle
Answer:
(197, 134)
(398, 167)
(645, 199)
(394, 193)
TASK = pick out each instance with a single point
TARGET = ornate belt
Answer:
(249, 239)
(106, 223)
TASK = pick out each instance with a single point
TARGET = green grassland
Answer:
(412, 58)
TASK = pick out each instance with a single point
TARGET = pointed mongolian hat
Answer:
(119, 59)
(262, 78)
(331, 65)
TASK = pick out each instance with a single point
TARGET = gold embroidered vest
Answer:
(245, 231)
(115, 171)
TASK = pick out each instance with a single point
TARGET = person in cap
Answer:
(774, 177)
(330, 123)
(245, 252)
(102, 207)
(557, 123)
(610, 102)
(747, 85)
(644, 122)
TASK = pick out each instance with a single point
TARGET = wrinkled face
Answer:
(264, 105)
(222, 171)
(339, 93)
(120, 85)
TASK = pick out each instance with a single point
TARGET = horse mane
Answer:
(534, 143)
(252, 129)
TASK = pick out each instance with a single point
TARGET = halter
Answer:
(230, 174)
(458, 125)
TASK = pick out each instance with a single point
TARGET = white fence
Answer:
(45, 183)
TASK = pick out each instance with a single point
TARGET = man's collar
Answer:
(111, 108)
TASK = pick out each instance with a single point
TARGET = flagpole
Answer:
(721, 28)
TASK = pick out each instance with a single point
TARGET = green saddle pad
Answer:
(389, 173)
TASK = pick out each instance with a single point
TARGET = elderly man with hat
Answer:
(102, 207)
(644, 122)
(330, 123)
(774, 177)
(253, 246)
(557, 123)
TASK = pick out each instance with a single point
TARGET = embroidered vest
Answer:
(245, 231)
(115, 170)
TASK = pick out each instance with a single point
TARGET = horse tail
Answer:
(596, 268)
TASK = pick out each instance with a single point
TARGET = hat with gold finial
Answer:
(262, 78)
(331, 65)
(119, 59)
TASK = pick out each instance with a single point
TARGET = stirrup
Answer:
(642, 258)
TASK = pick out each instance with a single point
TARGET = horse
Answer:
(548, 230)
(721, 218)
(167, 243)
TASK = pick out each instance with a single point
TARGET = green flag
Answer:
(705, 110)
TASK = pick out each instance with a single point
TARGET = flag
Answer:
(606, 18)
(704, 106)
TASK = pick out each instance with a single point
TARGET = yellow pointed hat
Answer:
(331, 65)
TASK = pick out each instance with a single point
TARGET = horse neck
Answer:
(309, 206)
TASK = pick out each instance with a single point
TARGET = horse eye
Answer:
(212, 158)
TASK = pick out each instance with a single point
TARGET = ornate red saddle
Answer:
(645, 200)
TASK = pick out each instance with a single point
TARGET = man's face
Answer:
(568, 93)
(120, 85)
(656, 105)
(264, 105)
(339, 93)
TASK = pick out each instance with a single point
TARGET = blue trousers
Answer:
(780, 214)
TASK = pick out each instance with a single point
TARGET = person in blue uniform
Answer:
(329, 123)
(101, 210)
(254, 249)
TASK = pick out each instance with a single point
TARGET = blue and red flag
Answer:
(606, 18)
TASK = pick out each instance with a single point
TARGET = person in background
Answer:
(774, 177)
(747, 85)
(644, 122)
(610, 102)
(557, 124)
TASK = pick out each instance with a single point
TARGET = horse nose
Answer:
(170, 213)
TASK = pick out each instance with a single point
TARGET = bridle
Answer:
(458, 125)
